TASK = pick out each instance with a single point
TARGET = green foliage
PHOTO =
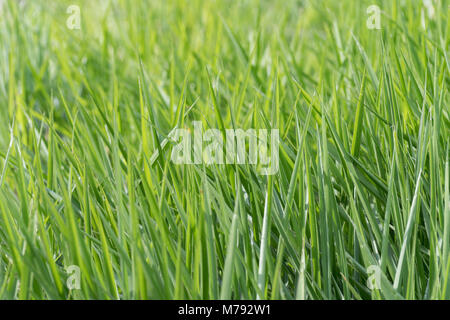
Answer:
(86, 177)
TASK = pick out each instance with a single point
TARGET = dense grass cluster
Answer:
(86, 178)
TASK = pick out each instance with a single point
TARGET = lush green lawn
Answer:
(88, 188)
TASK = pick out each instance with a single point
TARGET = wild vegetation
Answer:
(92, 207)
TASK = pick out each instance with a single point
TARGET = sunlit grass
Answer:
(86, 178)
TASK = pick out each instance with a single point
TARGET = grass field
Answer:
(92, 207)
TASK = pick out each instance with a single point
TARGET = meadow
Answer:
(92, 207)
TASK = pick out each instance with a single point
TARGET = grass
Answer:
(86, 178)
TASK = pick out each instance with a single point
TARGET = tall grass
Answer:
(86, 178)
